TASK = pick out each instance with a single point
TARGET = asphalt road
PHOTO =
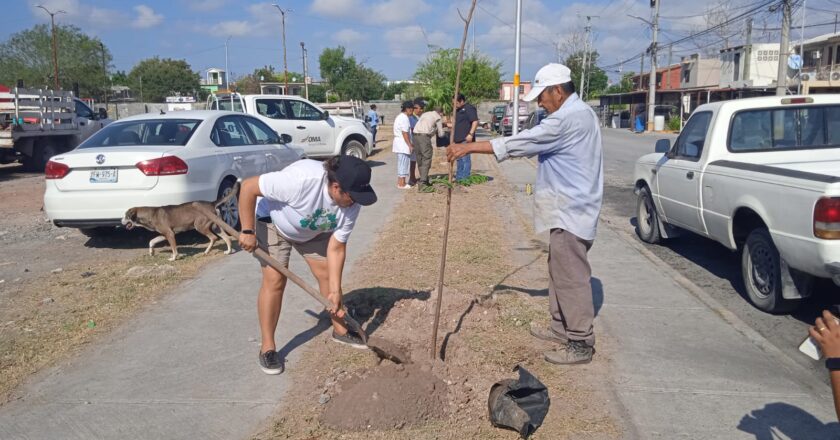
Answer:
(704, 262)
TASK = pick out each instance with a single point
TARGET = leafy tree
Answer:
(394, 89)
(480, 77)
(27, 55)
(317, 93)
(349, 78)
(120, 78)
(624, 85)
(156, 78)
(596, 81)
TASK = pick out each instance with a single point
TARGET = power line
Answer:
(706, 31)
(705, 13)
(512, 27)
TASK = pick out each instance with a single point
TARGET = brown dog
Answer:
(172, 219)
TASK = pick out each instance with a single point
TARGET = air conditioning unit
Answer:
(835, 76)
(805, 77)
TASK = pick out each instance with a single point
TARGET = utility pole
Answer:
(784, 50)
(652, 90)
(283, 13)
(670, 59)
(105, 72)
(748, 48)
(227, 74)
(54, 44)
(516, 67)
(586, 29)
(305, 71)
(801, 47)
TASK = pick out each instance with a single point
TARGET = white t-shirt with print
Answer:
(300, 205)
(401, 124)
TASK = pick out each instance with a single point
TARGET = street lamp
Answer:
(227, 73)
(54, 45)
(285, 66)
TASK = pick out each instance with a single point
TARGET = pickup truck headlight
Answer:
(827, 218)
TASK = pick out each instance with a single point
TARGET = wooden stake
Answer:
(449, 189)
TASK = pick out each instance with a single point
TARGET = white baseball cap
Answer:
(549, 75)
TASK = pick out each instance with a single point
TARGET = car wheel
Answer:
(229, 211)
(647, 219)
(355, 149)
(762, 273)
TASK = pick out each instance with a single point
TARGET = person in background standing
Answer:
(373, 119)
(428, 127)
(413, 117)
(402, 144)
(466, 123)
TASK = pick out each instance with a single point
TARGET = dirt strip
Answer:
(490, 299)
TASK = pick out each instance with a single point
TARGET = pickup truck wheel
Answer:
(355, 149)
(647, 220)
(229, 211)
(762, 273)
(41, 154)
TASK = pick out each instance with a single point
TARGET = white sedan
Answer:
(158, 160)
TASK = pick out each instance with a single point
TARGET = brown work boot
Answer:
(574, 352)
(546, 333)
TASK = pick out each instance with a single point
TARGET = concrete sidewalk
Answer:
(681, 366)
(186, 368)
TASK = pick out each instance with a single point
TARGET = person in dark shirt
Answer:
(466, 122)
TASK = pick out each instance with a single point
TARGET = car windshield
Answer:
(175, 132)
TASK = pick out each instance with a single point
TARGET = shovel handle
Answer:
(271, 261)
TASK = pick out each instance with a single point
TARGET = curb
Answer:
(808, 379)
(791, 366)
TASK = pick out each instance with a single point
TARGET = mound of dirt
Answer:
(391, 396)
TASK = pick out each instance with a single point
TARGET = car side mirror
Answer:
(663, 146)
(285, 138)
(103, 114)
(326, 114)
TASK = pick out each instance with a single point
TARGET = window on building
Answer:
(686, 75)
(737, 66)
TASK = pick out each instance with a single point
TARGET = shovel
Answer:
(271, 261)
(381, 347)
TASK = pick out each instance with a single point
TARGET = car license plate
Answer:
(103, 175)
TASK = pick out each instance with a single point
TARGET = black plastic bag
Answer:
(520, 404)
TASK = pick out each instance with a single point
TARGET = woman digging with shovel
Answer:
(313, 207)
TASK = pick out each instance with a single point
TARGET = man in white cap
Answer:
(567, 201)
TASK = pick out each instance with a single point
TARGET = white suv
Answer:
(320, 134)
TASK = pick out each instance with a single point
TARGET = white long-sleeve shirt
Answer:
(570, 175)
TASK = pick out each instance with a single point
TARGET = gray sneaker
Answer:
(350, 338)
(547, 334)
(271, 362)
(574, 352)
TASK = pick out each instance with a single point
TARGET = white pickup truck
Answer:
(320, 134)
(761, 175)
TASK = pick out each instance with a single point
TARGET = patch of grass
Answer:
(54, 316)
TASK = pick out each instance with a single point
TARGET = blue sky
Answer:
(391, 36)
